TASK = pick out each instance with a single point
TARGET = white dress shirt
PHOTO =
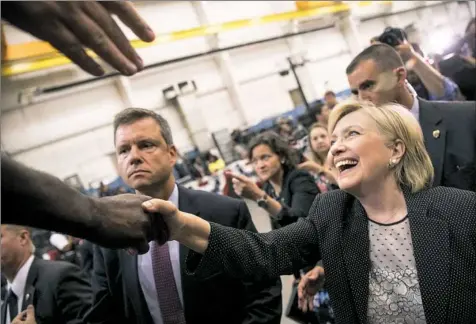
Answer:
(18, 285)
(415, 109)
(146, 273)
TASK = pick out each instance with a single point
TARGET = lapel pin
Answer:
(436, 133)
(27, 296)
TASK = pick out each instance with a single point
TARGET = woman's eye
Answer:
(353, 133)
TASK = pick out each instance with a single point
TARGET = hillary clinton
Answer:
(394, 249)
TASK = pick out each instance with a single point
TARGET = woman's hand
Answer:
(25, 317)
(246, 187)
(309, 285)
(171, 216)
(188, 229)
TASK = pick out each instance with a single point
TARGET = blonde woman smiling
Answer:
(394, 250)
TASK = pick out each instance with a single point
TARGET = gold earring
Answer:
(391, 163)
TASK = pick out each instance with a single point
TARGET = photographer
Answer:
(426, 80)
(461, 66)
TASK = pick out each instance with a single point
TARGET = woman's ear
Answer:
(398, 150)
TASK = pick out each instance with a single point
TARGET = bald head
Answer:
(386, 58)
(17, 228)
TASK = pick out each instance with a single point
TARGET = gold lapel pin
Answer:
(436, 133)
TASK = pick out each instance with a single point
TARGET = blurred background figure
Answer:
(214, 162)
(239, 144)
(427, 81)
(330, 99)
(458, 62)
(289, 130)
(285, 192)
(318, 148)
(58, 290)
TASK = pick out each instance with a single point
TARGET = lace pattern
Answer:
(394, 290)
(394, 297)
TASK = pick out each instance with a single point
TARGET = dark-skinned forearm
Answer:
(37, 199)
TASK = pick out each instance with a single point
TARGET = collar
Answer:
(174, 197)
(415, 109)
(19, 282)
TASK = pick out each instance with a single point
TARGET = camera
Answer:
(393, 36)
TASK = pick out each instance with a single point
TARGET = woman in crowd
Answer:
(394, 250)
(319, 145)
(287, 193)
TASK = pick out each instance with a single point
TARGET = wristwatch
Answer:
(263, 201)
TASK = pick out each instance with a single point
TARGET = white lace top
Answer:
(394, 291)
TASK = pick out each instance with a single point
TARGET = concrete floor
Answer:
(262, 223)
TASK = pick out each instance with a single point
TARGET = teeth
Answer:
(345, 162)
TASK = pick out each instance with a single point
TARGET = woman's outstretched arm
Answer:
(240, 253)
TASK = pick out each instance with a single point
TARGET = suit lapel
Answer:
(355, 246)
(434, 132)
(431, 248)
(131, 281)
(4, 311)
(29, 292)
(186, 204)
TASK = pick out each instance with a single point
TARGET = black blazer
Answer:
(443, 230)
(118, 297)
(449, 129)
(297, 195)
(59, 292)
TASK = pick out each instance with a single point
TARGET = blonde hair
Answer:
(310, 152)
(395, 122)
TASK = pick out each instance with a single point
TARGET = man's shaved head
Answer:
(385, 57)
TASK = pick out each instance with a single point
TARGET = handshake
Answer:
(131, 221)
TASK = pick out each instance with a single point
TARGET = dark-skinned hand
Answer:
(73, 26)
(123, 223)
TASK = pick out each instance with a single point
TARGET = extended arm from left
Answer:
(37, 199)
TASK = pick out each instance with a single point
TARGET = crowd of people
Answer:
(383, 180)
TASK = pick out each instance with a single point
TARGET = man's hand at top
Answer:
(70, 26)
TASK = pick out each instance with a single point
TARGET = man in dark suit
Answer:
(57, 290)
(378, 74)
(153, 288)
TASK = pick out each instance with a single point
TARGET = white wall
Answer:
(71, 132)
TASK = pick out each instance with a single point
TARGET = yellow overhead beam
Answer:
(305, 5)
(35, 56)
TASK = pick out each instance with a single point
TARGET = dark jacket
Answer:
(58, 290)
(118, 297)
(449, 129)
(297, 195)
(443, 230)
